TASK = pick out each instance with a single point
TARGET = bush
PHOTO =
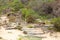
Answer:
(56, 22)
(29, 38)
(30, 26)
(29, 15)
(30, 19)
(19, 27)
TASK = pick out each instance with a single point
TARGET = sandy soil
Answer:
(53, 36)
(13, 35)
(10, 34)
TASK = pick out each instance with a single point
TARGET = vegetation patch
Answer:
(56, 23)
(29, 38)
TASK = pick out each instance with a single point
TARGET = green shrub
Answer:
(29, 38)
(30, 26)
(19, 27)
(30, 19)
(29, 15)
(56, 22)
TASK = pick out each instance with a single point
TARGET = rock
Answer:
(4, 19)
(33, 31)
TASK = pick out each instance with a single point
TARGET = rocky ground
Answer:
(10, 34)
(13, 34)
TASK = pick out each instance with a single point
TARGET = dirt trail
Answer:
(10, 34)
(14, 34)
(54, 36)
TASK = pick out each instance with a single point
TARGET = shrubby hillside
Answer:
(27, 11)
(43, 9)
(33, 19)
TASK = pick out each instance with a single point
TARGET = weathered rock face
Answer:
(4, 20)
(12, 25)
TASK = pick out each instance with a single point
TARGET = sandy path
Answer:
(10, 34)
(13, 35)
(55, 36)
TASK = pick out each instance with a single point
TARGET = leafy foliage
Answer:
(56, 22)
(30, 9)
(29, 14)
(32, 5)
(13, 4)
